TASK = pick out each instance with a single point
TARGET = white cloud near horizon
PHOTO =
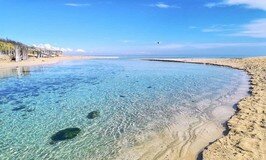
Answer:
(51, 47)
(254, 4)
(174, 46)
(77, 4)
(183, 48)
(163, 5)
(80, 50)
(255, 29)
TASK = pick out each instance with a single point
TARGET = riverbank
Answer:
(46, 61)
(247, 133)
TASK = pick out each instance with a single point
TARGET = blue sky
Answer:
(134, 27)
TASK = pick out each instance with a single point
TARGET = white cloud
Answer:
(192, 27)
(127, 41)
(212, 30)
(51, 47)
(176, 46)
(171, 46)
(163, 5)
(220, 28)
(77, 4)
(80, 50)
(255, 29)
(255, 4)
(183, 48)
(222, 45)
(214, 4)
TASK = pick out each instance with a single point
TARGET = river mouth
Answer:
(148, 110)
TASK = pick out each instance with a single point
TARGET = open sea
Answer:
(135, 99)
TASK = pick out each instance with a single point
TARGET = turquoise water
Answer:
(134, 97)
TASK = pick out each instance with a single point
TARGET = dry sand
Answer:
(46, 61)
(11, 68)
(247, 128)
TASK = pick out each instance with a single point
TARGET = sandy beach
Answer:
(246, 135)
(47, 61)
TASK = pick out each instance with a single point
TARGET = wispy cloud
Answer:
(253, 29)
(128, 41)
(256, 29)
(212, 30)
(254, 4)
(192, 27)
(80, 50)
(163, 5)
(51, 47)
(183, 48)
(177, 46)
(214, 4)
(77, 4)
(220, 28)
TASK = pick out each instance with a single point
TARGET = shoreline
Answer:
(245, 130)
(165, 144)
(245, 138)
(47, 61)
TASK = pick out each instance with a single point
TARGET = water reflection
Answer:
(11, 72)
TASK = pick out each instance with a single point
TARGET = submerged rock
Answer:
(30, 109)
(65, 134)
(19, 108)
(16, 102)
(93, 114)
(24, 116)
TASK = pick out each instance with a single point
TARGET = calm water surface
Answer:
(134, 97)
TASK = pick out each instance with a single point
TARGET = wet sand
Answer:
(171, 145)
(246, 137)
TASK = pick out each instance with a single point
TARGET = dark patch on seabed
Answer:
(16, 102)
(19, 108)
(93, 114)
(65, 134)
(30, 110)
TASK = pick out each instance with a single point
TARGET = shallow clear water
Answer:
(134, 98)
